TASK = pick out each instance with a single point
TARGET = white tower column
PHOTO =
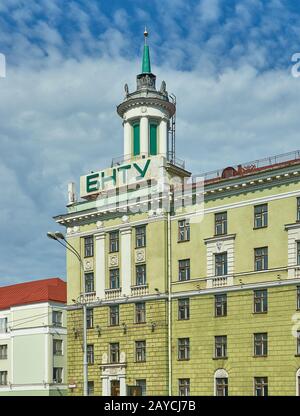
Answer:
(100, 266)
(163, 137)
(144, 135)
(127, 139)
(126, 260)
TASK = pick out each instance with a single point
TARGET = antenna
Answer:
(172, 131)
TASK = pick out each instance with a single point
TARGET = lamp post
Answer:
(60, 238)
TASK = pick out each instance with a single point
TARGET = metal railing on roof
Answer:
(117, 161)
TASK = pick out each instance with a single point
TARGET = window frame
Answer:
(184, 231)
(221, 221)
(260, 340)
(89, 282)
(140, 351)
(90, 354)
(114, 241)
(3, 377)
(58, 370)
(183, 310)
(221, 345)
(140, 273)
(89, 318)
(184, 270)
(184, 387)
(114, 350)
(58, 352)
(262, 257)
(140, 312)
(114, 314)
(221, 387)
(223, 265)
(89, 246)
(183, 347)
(260, 297)
(55, 322)
(140, 235)
(221, 305)
(261, 215)
(114, 278)
(3, 351)
(262, 383)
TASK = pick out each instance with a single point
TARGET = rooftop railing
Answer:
(117, 161)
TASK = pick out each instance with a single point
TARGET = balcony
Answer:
(113, 293)
(87, 297)
(219, 281)
(139, 290)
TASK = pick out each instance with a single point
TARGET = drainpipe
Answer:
(85, 363)
(169, 299)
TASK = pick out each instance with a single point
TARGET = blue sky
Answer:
(227, 61)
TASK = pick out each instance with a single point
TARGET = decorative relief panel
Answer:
(113, 260)
(88, 264)
(140, 255)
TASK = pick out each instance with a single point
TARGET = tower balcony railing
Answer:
(113, 293)
(117, 161)
(139, 290)
(87, 297)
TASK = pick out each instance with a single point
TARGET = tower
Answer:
(146, 114)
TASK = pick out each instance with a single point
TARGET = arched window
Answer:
(298, 382)
(136, 139)
(221, 382)
(153, 138)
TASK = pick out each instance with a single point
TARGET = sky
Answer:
(227, 61)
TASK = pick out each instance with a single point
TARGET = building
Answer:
(33, 338)
(185, 295)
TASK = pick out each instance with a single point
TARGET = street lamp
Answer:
(60, 238)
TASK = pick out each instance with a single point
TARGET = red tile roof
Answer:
(37, 291)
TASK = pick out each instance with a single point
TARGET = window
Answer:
(221, 264)
(221, 346)
(90, 391)
(114, 315)
(183, 230)
(153, 139)
(298, 209)
(57, 318)
(260, 386)
(298, 297)
(57, 375)
(90, 353)
(261, 345)
(89, 318)
(183, 349)
(298, 343)
(136, 139)
(140, 312)
(3, 352)
(88, 246)
(3, 325)
(3, 378)
(140, 351)
(114, 242)
(298, 253)
(261, 216)
(142, 384)
(260, 301)
(183, 309)
(140, 236)
(140, 271)
(114, 279)
(221, 305)
(184, 270)
(89, 282)
(221, 223)
(221, 386)
(184, 386)
(261, 258)
(114, 352)
(57, 347)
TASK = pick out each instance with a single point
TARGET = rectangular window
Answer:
(184, 270)
(222, 386)
(57, 318)
(221, 346)
(298, 342)
(114, 315)
(3, 378)
(298, 298)
(114, 279)
(261, 258)
(260, 301)
(89, 318)
(260, 386)
(114, 352)
(183, 309)
(220, 264)
(90, 353)
(298, 253)
(140, 236)
(140, 312)
(136, 139)
(142, 384)
(221, 223)
(261, 345)
(184, 386)
(261, 216)
(140, 271)
(183, 230)
(114, 242)
(183, 348)
(221, 305)
(90, 388)
(3, 352)
(3, 325)
(153, 139)
(140, 351)
(57, 347)
(57, 375)
(298, 209)
(88, 246)
(89, 282)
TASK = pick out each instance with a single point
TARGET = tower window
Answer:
(136, 139)
(153, 139)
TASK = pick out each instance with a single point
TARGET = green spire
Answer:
(146, 66)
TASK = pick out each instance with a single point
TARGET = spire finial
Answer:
(146, 66)
(146, 35)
